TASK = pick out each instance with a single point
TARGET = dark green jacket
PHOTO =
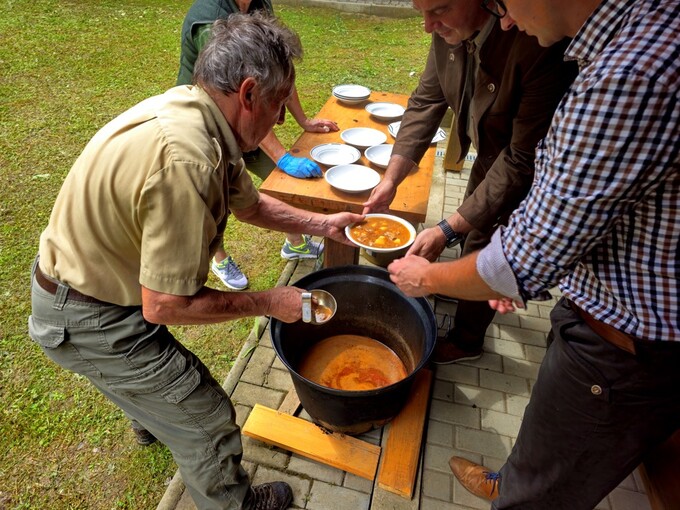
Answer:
(203, 13)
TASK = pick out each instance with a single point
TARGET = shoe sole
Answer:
(234, 288)
(295, 256)
(225, 283)
(464, 358)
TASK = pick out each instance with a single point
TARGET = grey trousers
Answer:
(595, 411)
(157, 382)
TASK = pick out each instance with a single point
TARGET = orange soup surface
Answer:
(352, 363)
(380, 233)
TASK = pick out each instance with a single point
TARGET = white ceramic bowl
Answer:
(393, 129)
(363, 137)
(352, 178)
(385, 111)
(409, 227)
(379, 155)
(331, 154)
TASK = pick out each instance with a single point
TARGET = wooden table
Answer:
(317, 195)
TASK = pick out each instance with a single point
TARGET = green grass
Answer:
(68, 67)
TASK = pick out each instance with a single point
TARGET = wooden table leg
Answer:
(339, 254)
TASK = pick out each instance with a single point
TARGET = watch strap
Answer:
(452, 237)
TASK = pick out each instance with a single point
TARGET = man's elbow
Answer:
(156, 308)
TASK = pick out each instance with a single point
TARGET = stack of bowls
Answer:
(351, 94)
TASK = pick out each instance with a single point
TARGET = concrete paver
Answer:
(475, 410)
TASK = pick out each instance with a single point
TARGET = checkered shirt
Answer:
(603, 217)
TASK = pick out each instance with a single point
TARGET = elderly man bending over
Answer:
(128, 247)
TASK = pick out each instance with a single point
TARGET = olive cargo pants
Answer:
(156, 381)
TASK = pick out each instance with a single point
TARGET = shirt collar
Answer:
(600, 27)
(226, 134)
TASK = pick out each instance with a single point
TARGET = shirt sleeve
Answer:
(426, 107)
(603, 158)
(182, 212)
(543, 77)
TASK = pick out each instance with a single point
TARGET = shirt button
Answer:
(491, 87)
(595, 389)
(452, 57)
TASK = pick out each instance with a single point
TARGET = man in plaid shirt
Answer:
(602, 221)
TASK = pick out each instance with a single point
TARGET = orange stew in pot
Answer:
(380, 233)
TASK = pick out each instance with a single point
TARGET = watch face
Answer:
(450, 243)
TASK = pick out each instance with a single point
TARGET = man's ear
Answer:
(247, 93)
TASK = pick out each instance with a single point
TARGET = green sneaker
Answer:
(307, 250)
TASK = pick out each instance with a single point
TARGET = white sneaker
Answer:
(230, 274)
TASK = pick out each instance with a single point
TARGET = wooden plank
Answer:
(338, 254)
(291, 403)
(304, 438)
(659, 474)
(399, 465)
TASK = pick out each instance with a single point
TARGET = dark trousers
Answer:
(472, 318)
(595, 411)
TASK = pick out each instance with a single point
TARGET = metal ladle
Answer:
(318, 306)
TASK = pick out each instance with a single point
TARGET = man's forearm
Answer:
(273, 214)
(272, 147)
(207, 306)
(397, 169)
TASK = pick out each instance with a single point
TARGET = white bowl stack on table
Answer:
(351, 94)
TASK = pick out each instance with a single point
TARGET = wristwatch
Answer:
(452, 237)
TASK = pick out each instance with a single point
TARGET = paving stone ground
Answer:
(475, 409)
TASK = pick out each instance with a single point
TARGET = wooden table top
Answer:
(317, 195)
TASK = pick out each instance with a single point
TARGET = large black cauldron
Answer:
(369, 304)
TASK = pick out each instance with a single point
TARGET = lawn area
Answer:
(68, 67)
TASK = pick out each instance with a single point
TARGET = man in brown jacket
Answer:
(503, 89)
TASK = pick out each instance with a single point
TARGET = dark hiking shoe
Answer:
(272, 496)
(144, 437)
(446, 352)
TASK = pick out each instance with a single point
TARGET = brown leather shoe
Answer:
(477, 479)
(446, 352)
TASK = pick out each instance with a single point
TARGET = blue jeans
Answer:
(595, 411)
(156, 381)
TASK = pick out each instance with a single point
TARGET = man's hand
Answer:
(505, 305)
(319, 125)
(286, 303)
(408, 274)
(301, 168)
(336, 224)
(429, 244)
(381, 198)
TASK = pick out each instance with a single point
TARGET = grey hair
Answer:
(244, 46)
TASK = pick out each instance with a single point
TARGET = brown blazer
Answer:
(517, 89)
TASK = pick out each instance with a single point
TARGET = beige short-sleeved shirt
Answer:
(147, 201)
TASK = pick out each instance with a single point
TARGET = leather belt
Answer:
(609, 333)
(51, 286)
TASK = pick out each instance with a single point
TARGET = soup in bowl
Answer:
(381, 233)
